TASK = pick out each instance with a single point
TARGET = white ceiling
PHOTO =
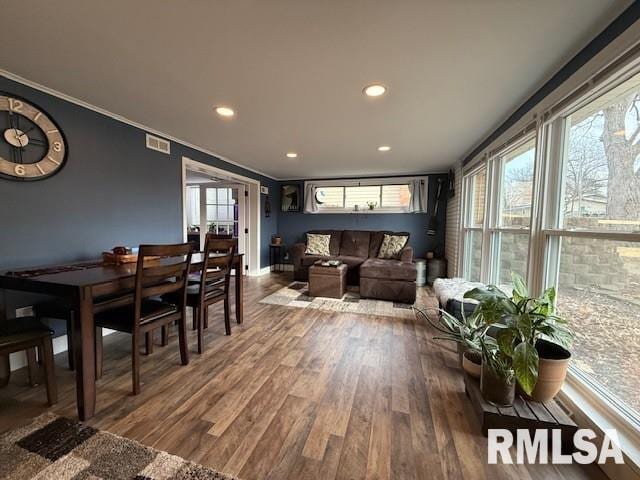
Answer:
(293, 70)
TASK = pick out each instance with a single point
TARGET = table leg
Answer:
(85, 355)
(239, 291)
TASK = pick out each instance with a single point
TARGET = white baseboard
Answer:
(19, 360)
(287, 267)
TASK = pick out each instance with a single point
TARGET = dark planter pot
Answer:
(495, 389)
(552, 370)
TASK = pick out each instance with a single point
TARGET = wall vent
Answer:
(158, 144)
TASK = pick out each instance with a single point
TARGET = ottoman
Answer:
(327, 281)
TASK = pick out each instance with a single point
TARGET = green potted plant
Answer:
(372, 205)
(497, 378)
(529, 333)
(465, 332)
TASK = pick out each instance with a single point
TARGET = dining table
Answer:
(82, 285)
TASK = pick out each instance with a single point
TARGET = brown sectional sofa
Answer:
(384, 279)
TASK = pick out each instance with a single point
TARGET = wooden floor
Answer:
(294, 394)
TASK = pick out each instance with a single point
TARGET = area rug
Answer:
(296, 294)
(54, 447)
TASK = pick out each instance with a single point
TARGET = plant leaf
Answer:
(525, 366)
(524, 325)
(505, 339)
(519, 287)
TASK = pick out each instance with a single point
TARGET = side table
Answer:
(276, 254)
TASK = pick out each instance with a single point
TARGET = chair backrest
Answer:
(220, 236)
(218, 260)
(162, 269)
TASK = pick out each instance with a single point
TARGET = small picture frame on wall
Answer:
(290, 198)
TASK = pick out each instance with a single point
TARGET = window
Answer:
(361, 197)
(601, 178)
(473, 224)
(517, 185)
(222, 211)
(473, 252)
(586, 232)
(193, 206)
(330, 197)
(598, 286)
(510, 228)
(384, 197)
(593, 241)
(513, 249)
(395, 196)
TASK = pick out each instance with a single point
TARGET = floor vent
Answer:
(158, 144)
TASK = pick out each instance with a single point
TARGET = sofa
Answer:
(383, 279)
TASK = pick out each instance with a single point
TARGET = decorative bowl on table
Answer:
(119, 255)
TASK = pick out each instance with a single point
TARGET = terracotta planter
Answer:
(552, 370)
(470, 363)
(495, 389)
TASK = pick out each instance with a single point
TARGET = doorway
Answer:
(220, 202)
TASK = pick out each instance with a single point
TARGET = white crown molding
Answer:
(120, 118)
(364, 177)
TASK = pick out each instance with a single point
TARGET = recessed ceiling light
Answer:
(225, 111)
(374, 90)
(292, 155)
(384, 148)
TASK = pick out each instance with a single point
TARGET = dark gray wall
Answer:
(292, 226)
(112, 191)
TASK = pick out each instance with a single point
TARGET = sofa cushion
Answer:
(309, 260)
(376, 241)
(334, 243)
(317, 244)
(388, 269)
(392, 245)
(355, 243)
(350, 261)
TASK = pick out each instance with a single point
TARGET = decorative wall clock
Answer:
(32, 146)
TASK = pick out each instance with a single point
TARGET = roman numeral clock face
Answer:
(32, 147)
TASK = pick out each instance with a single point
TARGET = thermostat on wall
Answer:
(264, 190)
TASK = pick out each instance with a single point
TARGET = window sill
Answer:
(594, 411)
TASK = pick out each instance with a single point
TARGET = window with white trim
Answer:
(592, 240)
(371, 196)
(475, 192)
(584, 238)
(510, 226)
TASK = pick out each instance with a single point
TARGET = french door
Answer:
(222, 211)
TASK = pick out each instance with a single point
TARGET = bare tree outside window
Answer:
(602, 170)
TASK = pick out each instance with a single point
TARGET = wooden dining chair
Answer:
(213, 286)
(162, 271)
(58, 310)
(28, 334)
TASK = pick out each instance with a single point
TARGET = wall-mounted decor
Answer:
(290, 198)
(267, 207)
(264, 190)
(32, 146)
